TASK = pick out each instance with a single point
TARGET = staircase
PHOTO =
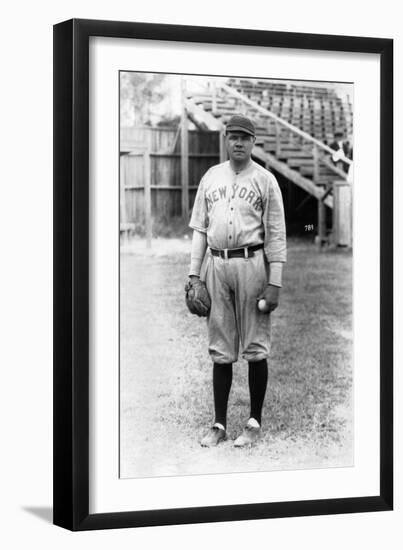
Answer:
(292, 124)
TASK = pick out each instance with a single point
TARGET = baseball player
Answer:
(239, 231)
(342, 150)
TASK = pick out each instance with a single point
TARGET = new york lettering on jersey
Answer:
(237, 191)
(229, 206)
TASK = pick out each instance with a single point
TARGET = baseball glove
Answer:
(197, 298)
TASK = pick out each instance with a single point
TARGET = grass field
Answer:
(166, 375)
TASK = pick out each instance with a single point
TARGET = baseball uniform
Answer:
(239, 210)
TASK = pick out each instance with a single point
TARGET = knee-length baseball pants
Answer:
(235, 323)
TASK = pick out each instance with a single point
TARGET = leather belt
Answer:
(243, 252)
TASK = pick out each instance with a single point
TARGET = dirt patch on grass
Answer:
(166, 374)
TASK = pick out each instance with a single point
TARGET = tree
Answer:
(144, 98)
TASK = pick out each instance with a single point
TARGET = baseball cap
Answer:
(240, 123)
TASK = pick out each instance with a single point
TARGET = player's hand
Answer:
(270, 295)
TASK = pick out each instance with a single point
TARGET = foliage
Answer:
(148, 99)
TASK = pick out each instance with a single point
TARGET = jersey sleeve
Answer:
(274, 223)
(199, 217)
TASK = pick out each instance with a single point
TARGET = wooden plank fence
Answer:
(151, 181)
(150, 158)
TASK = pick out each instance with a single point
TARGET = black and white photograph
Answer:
(179, 374)
(235, 274)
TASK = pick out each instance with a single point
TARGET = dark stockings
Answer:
(222, 380)
(257, 388)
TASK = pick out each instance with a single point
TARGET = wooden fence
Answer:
(151, 182)
(150, 161)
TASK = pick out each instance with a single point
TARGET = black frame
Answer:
(71, 274)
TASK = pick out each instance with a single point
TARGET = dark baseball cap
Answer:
(240, 123)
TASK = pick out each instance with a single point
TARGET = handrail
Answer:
(281, 121)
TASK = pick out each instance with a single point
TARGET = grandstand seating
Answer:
(294, 123)
(316, 110)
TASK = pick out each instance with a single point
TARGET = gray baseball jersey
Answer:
(238, 210)
(244, 209)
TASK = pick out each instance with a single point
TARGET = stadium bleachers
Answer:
(293, 122)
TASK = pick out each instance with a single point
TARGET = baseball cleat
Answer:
(248, 437)
(214, 436)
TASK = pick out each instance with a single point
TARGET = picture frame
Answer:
(72, 287)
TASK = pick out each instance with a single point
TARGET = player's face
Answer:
(239, 146)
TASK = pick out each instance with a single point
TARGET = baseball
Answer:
(262, 304)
